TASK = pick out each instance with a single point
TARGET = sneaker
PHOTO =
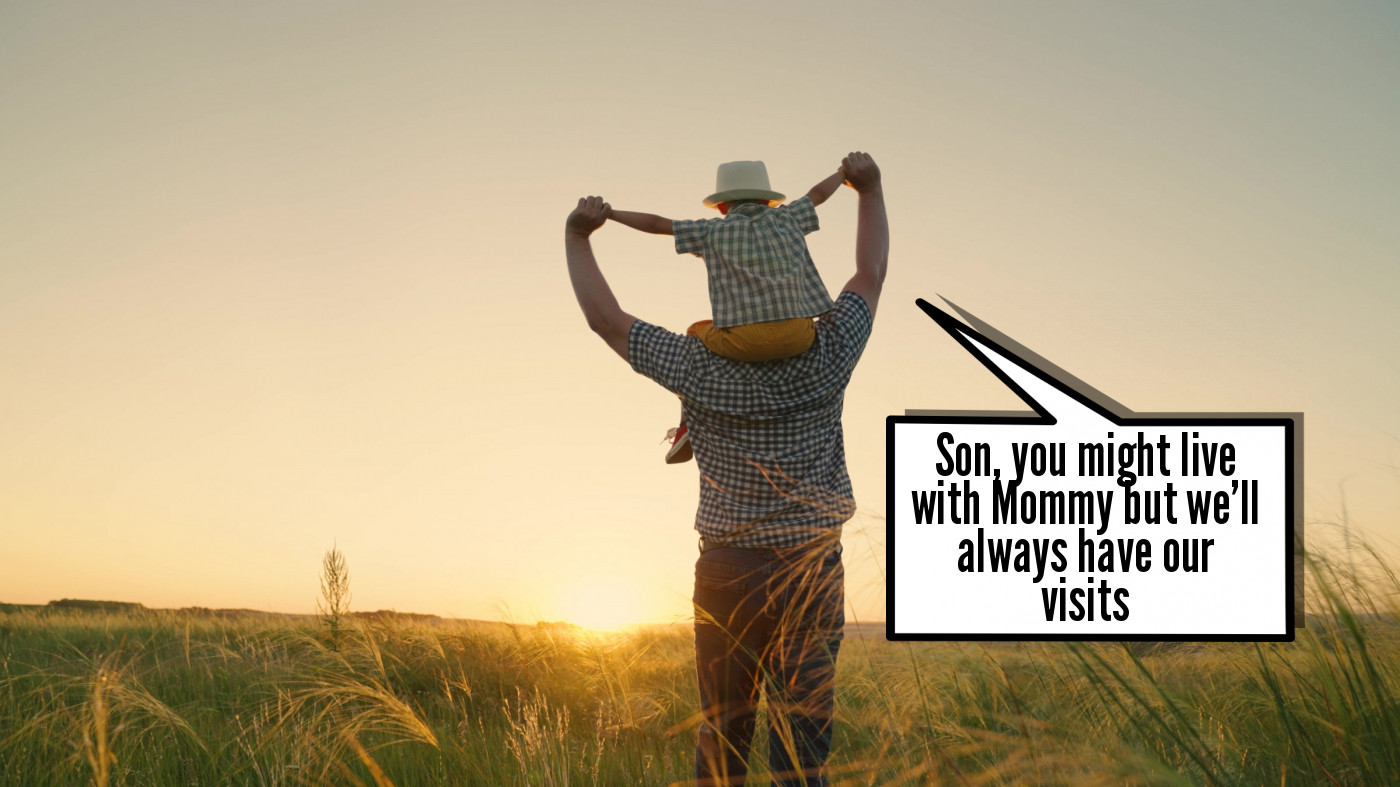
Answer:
(680, 445)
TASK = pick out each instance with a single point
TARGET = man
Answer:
(773, 494)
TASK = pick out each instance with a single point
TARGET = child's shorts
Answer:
(757, 341)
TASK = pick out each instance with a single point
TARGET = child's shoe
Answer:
(680, 445)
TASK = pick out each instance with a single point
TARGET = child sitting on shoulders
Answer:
(764, 288)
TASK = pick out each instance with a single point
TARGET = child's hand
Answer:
(588, 216)
(861, 172)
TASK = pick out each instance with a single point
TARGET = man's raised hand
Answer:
(861, 171)
(588, 216)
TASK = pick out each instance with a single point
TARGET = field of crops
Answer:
(133, 696)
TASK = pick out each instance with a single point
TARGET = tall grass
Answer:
(142, 697)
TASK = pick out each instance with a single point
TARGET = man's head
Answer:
(741, 181)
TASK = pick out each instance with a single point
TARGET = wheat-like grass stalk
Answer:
(92, 709)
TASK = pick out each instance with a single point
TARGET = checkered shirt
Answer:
(758, 264)
(767, 436)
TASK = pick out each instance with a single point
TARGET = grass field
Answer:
(143, 697)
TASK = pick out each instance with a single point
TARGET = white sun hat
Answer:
(742, 180)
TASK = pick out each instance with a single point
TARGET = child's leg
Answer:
(680, 450)
(758, 341)
(699, 329)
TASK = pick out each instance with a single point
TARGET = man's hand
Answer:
(862, 174)
(588, 216)
(595, 297)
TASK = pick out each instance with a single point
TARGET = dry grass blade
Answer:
(93, 710)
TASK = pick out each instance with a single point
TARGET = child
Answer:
(764, 289)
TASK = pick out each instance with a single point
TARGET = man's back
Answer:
(767, 436)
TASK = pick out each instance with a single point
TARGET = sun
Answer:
(602, 604)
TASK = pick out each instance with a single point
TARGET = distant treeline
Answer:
(92, 605)
(97, 606)
(390, 614)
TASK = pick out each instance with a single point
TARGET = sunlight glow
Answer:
(602, 604)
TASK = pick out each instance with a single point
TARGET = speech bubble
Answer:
(1086, 521)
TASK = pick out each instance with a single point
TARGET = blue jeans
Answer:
(767, 620)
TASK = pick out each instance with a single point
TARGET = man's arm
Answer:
(646, 222)
(595, 297)
(822, 191)
(872, 229)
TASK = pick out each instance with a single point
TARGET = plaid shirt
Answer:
(758, 264)
(767, 436)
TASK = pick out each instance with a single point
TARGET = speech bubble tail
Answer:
(1028, 375)
(1103, 400)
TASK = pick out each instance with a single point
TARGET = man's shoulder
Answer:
(845, 328)
(653, 338)
(657, 353)
(850, 310)
(679, 361)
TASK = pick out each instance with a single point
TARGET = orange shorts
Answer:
(757, 341)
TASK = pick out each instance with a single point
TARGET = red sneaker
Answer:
(680, 445)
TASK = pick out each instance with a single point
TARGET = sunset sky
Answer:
(275, 276)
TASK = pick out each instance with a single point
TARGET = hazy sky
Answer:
(280, 275)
